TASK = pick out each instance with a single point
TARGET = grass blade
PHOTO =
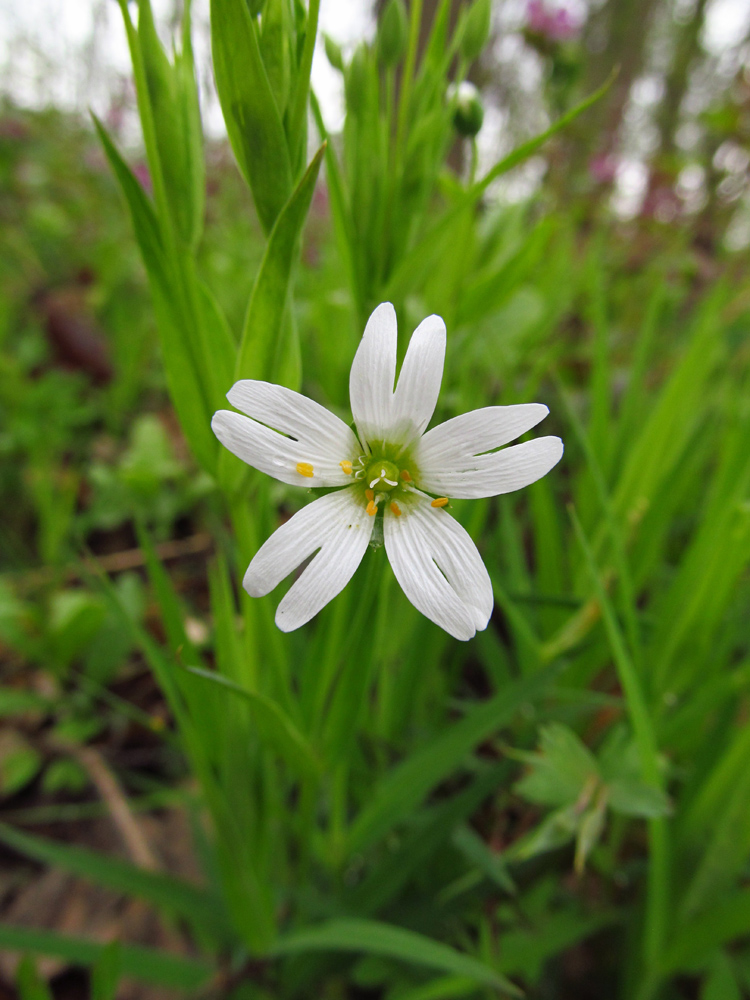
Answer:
(164, 891)
(375, 938)
(145, 964)
(404, 787)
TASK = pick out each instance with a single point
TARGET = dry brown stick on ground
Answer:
(109, 788)
(117, 562)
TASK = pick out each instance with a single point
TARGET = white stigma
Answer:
(382, 477)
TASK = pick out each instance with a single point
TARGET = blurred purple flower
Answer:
(557, 24)
(141, 172)
(603, 168)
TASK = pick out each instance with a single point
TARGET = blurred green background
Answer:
(606, 276)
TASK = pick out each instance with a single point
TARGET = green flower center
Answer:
(382, 476)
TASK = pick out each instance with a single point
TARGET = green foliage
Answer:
(174, 896)
(380, 939)
(253, 119)
(393, 33)
(30, 985)
(564, 773)
(475, 29)
(105, 974)
(269, 348)
(372, 811)
(147, 964)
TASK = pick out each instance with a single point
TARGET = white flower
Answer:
(392, 469)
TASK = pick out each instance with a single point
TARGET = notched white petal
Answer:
(338, 530)
(458, 441)
(416, 394)
(282, 457)
(400, 414)
(374, 373)
(499, 472)
(439, 568)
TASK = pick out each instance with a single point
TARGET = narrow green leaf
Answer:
(375, 938)
(444, 988)
(217, 333)
(264, 352)
(421, 254)
(524, 951)
(297, 119)
(188, 107)
(274, 724)
(184, 383)
(164, 891)
(721, 982)
(276, 43)
(657, 902)
(427, 831)
(476, 851)
(175, 132)
(105, 974)
(396, 796)
(30, 984)
(145, 964)
(340, 209)
(250, 111)
(695, 941)
(173, 617)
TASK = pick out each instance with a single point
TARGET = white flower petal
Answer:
(418, 382)
(282, 429)
(382, 414)
(499, 472)
(339, 527)
(458, 440)
(438, 567)
(374, 373)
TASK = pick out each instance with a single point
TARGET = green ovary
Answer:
(382, 475)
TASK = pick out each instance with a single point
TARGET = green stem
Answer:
(408, 76)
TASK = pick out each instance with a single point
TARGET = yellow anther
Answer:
(370, 494)
(305, 469)
(372, 508)
(440, 502)
(395, 509)
(347, 467)
(405, 475)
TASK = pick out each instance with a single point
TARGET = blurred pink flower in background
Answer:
(555, 23)
(603, 168)
(142, 174)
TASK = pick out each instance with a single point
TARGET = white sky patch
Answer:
(347, 22)
(630, 188)
(727, 21)
(74, 54)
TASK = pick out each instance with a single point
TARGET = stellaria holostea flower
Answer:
(389, 469)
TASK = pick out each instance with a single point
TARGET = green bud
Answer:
(393, 33)
(476, 29)
(468, 110)
(333, 53)
(356, 80)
